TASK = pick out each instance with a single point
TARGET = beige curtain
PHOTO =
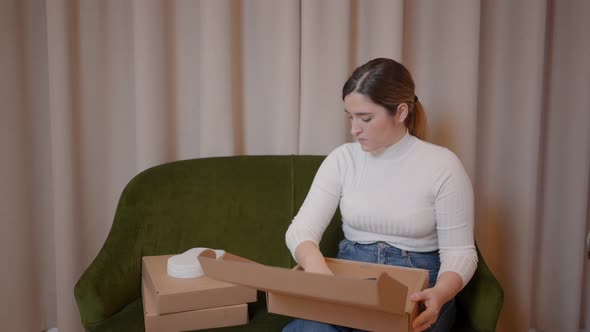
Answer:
(94, 91)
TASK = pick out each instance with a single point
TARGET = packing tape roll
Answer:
(186, 265)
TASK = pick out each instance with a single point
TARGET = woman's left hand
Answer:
(447, 286)
(433, 301)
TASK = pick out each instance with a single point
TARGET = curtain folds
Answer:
(94, 92)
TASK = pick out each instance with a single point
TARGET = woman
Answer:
(403, 201)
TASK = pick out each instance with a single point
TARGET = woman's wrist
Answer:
(309, 256)
(448, 285)
(318, 267)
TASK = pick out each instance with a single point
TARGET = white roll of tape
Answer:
(186, 265)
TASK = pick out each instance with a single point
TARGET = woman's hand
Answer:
(308, 255)
(319, 268)
(433, 301)
(447, 286)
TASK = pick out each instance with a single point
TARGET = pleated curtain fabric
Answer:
(94, 92)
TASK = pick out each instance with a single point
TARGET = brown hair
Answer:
(388, 83)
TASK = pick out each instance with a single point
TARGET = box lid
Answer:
(354, 289)
(176, 295)
(155, 272)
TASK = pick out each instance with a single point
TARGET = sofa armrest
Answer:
(480, 302)
(113, 279)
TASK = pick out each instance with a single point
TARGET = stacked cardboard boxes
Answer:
(172, 304)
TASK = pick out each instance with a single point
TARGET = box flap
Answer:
(154, 271)
(374, 294)
(174, 295)
(414, 279)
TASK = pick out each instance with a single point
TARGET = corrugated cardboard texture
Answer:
(190, 320)
(333, 313)
(173, 295)
(366, 293)
(361, 295)
(414, 279)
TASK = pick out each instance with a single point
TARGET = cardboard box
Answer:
(190, 320)
(172, 295)
(366, 296)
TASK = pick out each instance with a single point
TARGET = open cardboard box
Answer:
(192, 319)
(173, 295)
(372, 297)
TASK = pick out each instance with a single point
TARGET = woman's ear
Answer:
(402, 113)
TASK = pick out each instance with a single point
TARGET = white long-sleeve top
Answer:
(413, 195)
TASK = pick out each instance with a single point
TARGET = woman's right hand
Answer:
(320, 269)
(309, 256)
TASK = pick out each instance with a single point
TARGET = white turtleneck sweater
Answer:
(414, 195)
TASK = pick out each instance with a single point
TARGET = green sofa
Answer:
(240, 204)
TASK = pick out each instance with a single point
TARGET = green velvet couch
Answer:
(240, 204)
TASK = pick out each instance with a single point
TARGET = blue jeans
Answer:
(383, 253)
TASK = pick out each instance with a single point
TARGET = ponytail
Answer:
(416, 121)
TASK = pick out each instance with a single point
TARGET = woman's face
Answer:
(371, 124)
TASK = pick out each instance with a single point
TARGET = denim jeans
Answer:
(383, 253)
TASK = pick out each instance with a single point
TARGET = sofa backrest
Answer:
(243, 205)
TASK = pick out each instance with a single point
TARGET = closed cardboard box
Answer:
(360, 295)
(172, 295)
(189, 320)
